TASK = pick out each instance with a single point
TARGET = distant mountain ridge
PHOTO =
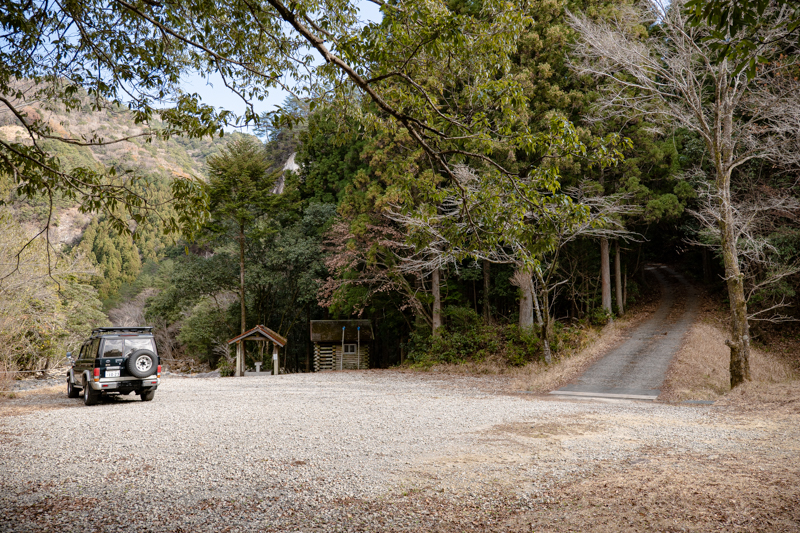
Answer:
(177, 155)
(161, 160)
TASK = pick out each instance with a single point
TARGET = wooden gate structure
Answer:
(258, 334)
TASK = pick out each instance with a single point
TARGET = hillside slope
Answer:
(158, 160)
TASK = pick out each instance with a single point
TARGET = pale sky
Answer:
(214, 92)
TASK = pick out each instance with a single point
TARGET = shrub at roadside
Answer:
(465, 338)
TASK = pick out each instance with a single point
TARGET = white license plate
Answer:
(112, 373)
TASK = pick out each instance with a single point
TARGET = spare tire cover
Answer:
(141, 363)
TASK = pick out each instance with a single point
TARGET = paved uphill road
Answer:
(636, 369)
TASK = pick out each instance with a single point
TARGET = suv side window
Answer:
(93, 350)
(112, 348)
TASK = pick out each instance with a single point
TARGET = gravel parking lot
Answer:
(356, 451)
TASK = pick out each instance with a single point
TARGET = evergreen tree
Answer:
(239, 193)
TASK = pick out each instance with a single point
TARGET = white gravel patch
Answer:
(246, 453)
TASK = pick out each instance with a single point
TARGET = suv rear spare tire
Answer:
(141, 363)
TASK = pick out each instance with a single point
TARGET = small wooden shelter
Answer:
(258, 334)
(341, 344)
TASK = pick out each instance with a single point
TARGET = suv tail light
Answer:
(97, 374)
(158, 370)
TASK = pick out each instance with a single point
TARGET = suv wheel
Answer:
(147, 395)
(90, 397)
(141, 363)
(72, 392)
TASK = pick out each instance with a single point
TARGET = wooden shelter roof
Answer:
(260, 333)
(331, 330)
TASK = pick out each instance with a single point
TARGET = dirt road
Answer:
(636, 369)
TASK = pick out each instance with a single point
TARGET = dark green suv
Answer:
(115, 361)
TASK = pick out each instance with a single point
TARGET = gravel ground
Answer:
(57, 376)
(358, 451)
(51, 378)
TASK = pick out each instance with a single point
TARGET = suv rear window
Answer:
(131, 345)
(114, 347)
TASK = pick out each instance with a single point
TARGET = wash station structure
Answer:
(257, 334)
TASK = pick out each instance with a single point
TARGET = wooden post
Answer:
(239, 360)
(275, 360)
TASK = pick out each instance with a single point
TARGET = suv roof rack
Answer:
(139, 329)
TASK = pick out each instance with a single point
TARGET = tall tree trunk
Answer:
(240, 352)
(739, 343)
(475, 296)
(640, 268)
(544, 324)
(586, 299)
(706, 267)
(618, 281)
(487, 310)
(605, 275)
(241, 275)
(625, 285)
(522, 279)
(437, 302)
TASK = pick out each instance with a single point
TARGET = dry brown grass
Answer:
(26, 402)
(700, 370)
(6, 378)
(663, 492)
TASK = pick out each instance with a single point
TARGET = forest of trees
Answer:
(479, 179)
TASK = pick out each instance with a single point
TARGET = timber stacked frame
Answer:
(341, 344)
(329, 357)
